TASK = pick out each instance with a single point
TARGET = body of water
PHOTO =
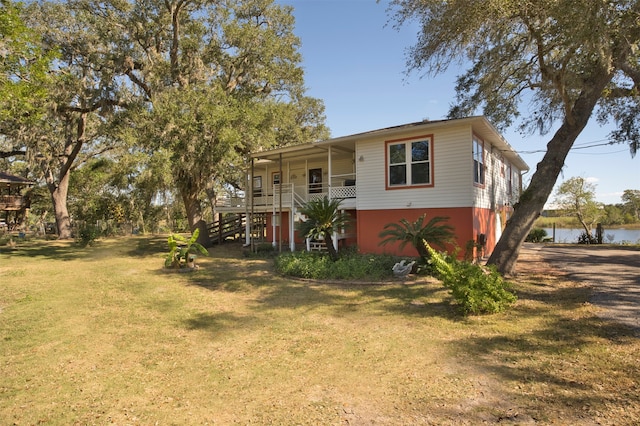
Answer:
(609, 236)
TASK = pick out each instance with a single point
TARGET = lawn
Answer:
(103, 335)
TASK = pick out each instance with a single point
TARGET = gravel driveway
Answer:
(613, 273)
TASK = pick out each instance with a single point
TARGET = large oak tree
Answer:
(85, 94)
(564, 57)
(218, 80)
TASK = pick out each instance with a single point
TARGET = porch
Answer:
(285, 197)
(287, 178)
(281, 181)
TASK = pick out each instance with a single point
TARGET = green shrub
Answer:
(587, 238)
(536, 235)
(477, 289)
(261, 250)
(88, 234)
(349, 266)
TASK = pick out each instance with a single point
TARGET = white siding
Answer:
(452, 173)
(495, 194)
(340, 167)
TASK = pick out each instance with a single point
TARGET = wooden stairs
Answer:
(232, 227)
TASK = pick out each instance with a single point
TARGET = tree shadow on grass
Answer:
(295, 295)
(427, 299)
(561, 369)
(228, 270)
(543, 292)
(67, 250)
(218, 324)
(60, 250)
(148, 245)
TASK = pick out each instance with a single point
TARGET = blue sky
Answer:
(355, 62)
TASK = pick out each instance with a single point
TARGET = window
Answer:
(315, 181)
(409, 162)
(276, 178)
(516, 184)
(478, 161)
(257, 186)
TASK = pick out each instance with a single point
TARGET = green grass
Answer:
(103, 335)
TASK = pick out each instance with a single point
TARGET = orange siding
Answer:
(484, 222)
(468, 223)
(285, 228)
(351, 231)
(372, 222)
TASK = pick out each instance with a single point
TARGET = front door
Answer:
(315, 181)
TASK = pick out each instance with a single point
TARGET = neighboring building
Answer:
(462, 168)
(12, 201)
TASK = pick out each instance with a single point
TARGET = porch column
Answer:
(248, 195)
(273, 226)
(292, 243)
(247, 229)
(292, 222)
(330, 173)
(280, 205)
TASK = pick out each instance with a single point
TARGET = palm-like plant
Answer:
(182, 248)
(418, 234)
(324, 217)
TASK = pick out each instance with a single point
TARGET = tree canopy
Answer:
(83, 94)
(197, 84)
(23, 76)
(215, 82)
(564, 58)
(631, 200)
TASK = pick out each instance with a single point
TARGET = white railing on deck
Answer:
(290, 195)
(316, 196)
(343, 192)
(283, 191)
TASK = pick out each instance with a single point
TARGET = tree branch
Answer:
(13, 153)
(632, 73)
(141, 84)
(85, 110)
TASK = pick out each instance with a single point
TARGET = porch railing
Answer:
(343, 192)
(12, 202)
(291, 196)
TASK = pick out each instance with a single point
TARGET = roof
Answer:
(14, 180)
(480, 125)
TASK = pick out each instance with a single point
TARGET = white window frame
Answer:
(479, 164)
(409, 162)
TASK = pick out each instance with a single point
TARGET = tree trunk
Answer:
(59, 198)
(60, 189)
(195, 217)
(211, 195)
(532, 201)
(331, 250)
(586, 227)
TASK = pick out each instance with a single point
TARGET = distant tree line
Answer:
(575, 198)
